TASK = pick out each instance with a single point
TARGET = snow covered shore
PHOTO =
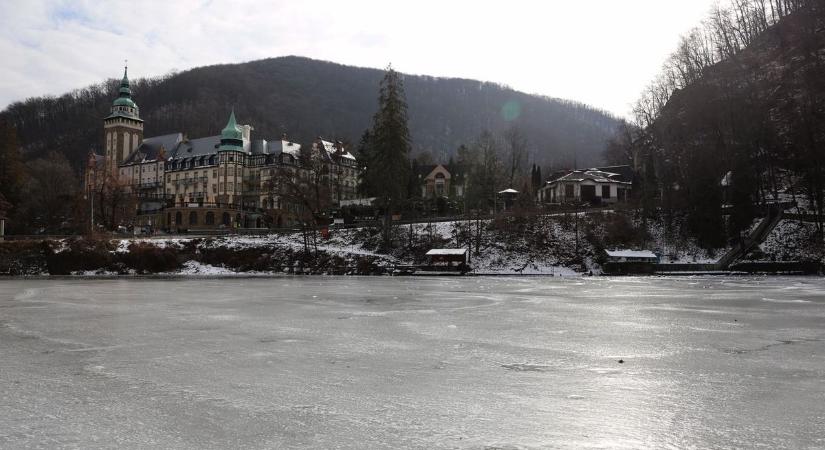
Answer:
(536, 245)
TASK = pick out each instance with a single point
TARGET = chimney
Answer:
(247, 132)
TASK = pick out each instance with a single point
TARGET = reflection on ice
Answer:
(413, 363)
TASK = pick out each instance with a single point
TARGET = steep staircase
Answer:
(756, 237)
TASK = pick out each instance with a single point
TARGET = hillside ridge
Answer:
(306, 98)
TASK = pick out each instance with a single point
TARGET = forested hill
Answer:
(306, 98)
(755, 110)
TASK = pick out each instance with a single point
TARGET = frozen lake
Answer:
(326, 362)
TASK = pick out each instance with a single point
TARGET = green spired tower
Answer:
(230, 162)
(123, 128)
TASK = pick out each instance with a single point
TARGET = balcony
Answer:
(229, 206)
(190, 181)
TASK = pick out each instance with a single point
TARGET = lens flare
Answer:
(511, 111)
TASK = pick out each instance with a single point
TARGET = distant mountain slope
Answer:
(307, 98)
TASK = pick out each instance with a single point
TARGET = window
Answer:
(606, 191)
(214, 188)
(214, 173)
(193, 218)
(439, 184)
(568, 190)
(210, 218)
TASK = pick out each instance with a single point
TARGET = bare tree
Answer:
(50, 193)
(516, 148)
(114, 204)
(305, 189)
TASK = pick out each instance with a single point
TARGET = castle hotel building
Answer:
(225, 180)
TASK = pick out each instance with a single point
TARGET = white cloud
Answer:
(601, 52)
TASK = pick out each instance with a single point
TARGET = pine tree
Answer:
(387, 160)
(364, 154)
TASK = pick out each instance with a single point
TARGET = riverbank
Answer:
(568, 246)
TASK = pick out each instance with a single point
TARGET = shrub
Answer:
(18, 258)
(81, 255)
(147, 258)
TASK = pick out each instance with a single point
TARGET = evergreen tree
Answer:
(364, 155)
(387, 157)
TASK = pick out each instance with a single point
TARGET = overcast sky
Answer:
(601, 52)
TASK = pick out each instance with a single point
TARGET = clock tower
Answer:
(123, 128)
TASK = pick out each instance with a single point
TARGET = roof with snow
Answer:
(197, 147)
(647, 254)
(621, 173)
(595, 174)
(423, 171)
(335, 150)
(149, 149)
(283, 146)
(509, 191)
(447, 252)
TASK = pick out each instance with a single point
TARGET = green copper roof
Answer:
(125, 87)
(124, 105)
(231, 135)
(124, 101)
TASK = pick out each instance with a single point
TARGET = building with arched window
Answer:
(441, 181)
(227, 175)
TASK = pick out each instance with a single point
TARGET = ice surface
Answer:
(360, 362)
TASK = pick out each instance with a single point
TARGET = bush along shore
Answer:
(564, 245)
(93, 257)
